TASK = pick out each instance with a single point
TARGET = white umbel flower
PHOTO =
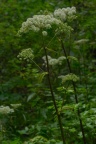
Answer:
(5, 110)
(53, 61)
(60, 14)
(38, 22)
(26, 54)
(45, 22)
(44, 33)
(44, 58)
(65, 13)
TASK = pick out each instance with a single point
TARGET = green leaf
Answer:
(41, 76)
(25, 131)
(31, 96)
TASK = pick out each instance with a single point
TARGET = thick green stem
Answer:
(74, 87)
(53, 98)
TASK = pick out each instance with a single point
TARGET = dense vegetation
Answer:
(48, 78)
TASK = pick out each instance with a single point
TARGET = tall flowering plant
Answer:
(59, 22)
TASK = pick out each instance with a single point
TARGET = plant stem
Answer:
(74, 87)
(85, 75)
(53, 98)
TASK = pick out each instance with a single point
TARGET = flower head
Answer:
(26, 54)
(38, 22)
(44, 33)
(5, 110)
(47, 21)
(65, 13)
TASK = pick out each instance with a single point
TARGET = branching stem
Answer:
(74, 87)
(53, 98)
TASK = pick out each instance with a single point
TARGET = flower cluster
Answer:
(39, 22)
(44, 58)
(53, 61)
(69, 77)
(26, 54)
(44, 22)
(5, 110)
(65, 13)
(44, 33)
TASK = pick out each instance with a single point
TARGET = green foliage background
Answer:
(21, 82)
